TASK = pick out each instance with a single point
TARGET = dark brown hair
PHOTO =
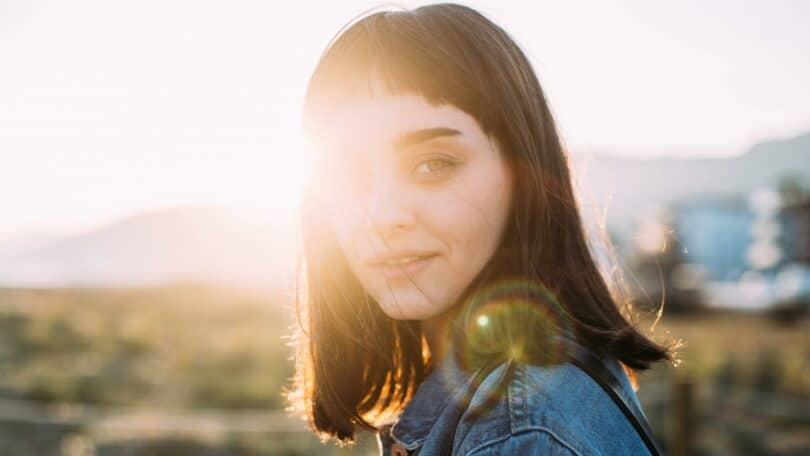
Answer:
(356, 366)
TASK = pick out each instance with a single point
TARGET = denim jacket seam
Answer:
(517, 399)
(525, 429)
(519, 414)
(524, 379)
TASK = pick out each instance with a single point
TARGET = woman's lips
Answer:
(407, 269)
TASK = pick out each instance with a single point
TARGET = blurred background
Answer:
(150, 166)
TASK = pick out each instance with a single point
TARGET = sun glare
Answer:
(274, 189)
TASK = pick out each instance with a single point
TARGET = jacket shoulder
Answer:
(558, 409)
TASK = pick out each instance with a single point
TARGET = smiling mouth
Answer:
(405, 267)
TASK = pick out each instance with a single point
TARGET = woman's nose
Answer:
(387, 207)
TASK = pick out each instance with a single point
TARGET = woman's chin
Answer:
(409, 310)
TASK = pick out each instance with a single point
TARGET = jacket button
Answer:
(398, 450)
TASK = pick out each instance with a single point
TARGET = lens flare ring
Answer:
(514, 318)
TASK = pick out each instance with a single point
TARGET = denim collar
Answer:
(444, 385)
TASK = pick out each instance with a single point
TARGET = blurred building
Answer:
(747, 251)
(715, 234)
(795, 221)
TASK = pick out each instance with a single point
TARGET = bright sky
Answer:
(109, 108)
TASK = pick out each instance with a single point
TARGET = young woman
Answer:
(447, 276)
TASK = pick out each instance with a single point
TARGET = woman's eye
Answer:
(433, 166)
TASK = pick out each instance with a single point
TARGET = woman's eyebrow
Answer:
(417, 136)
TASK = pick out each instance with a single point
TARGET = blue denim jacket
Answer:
(550, 410)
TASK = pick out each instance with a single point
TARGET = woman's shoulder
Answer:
(556, 409)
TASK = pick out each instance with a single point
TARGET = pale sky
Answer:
(108, 108)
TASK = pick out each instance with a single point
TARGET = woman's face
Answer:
(417, 196)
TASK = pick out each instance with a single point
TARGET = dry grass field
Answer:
(197, 369)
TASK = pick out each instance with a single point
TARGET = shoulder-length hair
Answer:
(355, 365)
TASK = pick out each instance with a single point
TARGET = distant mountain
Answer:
(23, 242)
(206, 243)
(216, 244)
(628, 188)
